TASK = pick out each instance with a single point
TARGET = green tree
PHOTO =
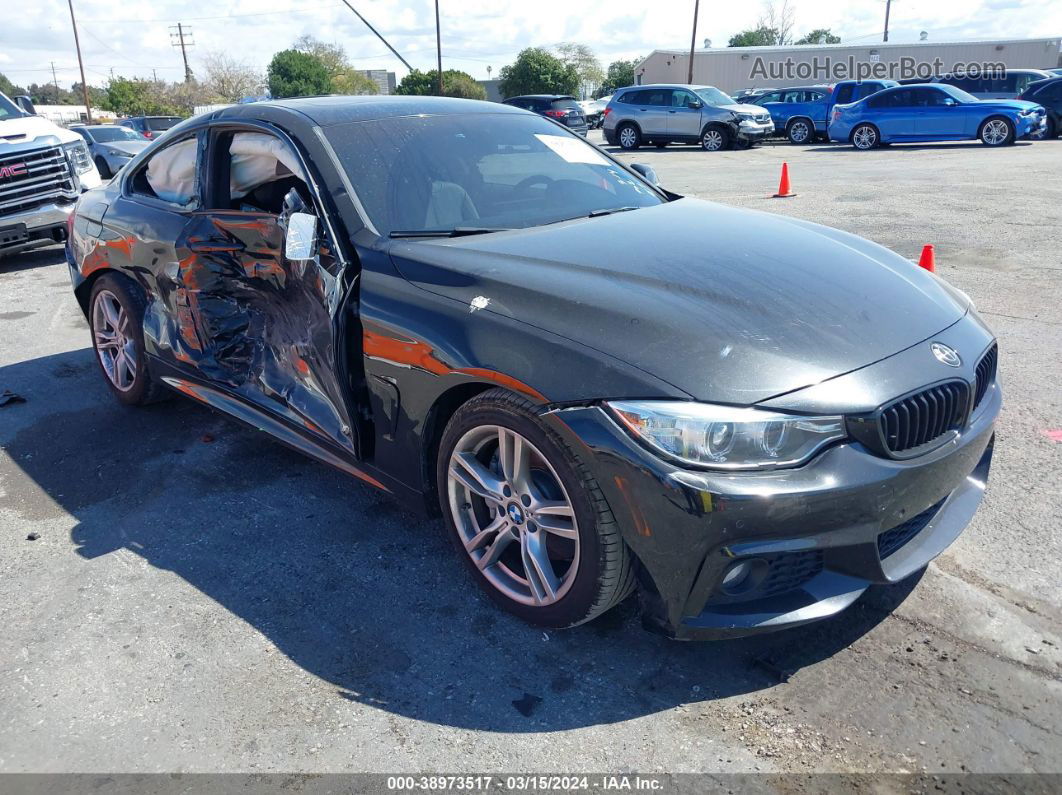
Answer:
(354, 83)
(297, 74)
(97, 96)
(582, 59)
(136, 97)
(332, 56)
(819, 36)
(9, 88)
(455, 84)
(620, 75)
(761, 36)
(538, 72)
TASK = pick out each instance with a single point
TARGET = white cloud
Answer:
(133, 38)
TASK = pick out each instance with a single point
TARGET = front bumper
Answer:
(1034, 126)
(39, 226)
(825, 531)
(754, 131)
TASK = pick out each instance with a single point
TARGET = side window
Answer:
(254, 172)
(1021, 82)
(771, 96)
(816, 96)
(659, 97)
(170, 174)
(844, 94)
(866, 89)
(682, 99)
(880, 101)
(933, 98)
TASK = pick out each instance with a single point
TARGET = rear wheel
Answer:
(103, 168)
(628, 136)
(527, 516)
(799, 131)
(116, 317)
(714, 139)
(996, 131)
(865, 136)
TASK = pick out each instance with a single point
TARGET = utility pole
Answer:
(180, 39)
(55, 82)
(888, 7)
(693, 40)
(438, 46)
(381, 38)
(81, 65)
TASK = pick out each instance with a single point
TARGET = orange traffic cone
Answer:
(784, 190)
(927, 260)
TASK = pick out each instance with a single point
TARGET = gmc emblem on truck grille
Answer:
(13, 170)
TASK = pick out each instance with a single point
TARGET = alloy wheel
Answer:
(864, 137)
(798, 132)
(513, 515)
(114, 340)
(628, 137)
(712, 140)
(995, 132)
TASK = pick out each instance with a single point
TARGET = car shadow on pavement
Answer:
(34, 258)
(341, 579)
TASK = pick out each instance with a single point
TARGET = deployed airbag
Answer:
(171, 173)
(258, 158)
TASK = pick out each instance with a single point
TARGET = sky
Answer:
(131, 38)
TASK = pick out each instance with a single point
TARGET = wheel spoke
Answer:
(109, 313)
(474, 476)
(515, 460)
(558, 525)
(537, 567)
(480, 539)
(495, 550)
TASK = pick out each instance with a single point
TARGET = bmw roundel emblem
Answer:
(945, 354)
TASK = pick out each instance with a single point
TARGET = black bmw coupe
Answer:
(603, 387)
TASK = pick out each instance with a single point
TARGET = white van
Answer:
(43, 169)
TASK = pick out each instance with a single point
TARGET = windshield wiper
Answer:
(457, 231)
(599, 213)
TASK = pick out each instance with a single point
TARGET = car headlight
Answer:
(744, 116)
(724, 437)
(119, 153)
(77, 154)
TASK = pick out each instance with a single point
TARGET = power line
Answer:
(180, 39)
(140, 21)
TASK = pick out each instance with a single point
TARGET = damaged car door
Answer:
(262, 324)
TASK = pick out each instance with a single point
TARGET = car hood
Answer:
(22, 129)
(726, 305)
(1006, 104)
(131, 147)
(743, 108)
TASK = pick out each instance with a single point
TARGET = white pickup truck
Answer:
(43, 169)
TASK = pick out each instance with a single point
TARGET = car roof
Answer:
(328, 110)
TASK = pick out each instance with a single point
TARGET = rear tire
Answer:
(103, 168)
(996, 131)
(116, 319)
(800, 131)
(628, 137)
(500, 471)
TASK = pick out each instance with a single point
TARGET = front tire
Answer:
(715, 139)
(865, 137)
(628, 137)
(116, 318)
(996, 131)
(526, 515)
(103, 168)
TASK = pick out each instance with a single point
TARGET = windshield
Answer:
(713, 96)
(959, 94)
(106, 135)
(488, 171)
(8, 109)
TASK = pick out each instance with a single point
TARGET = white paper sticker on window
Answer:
(572, 150)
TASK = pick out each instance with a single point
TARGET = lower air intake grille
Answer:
(892, 540)
(927, 415)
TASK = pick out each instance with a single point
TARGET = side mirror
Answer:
(26, 104)
(647, 172)
(300, 242)
(950, 103)
(696, 104)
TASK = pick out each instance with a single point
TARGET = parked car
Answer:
(1047, 93)
(1054, 71)
(43, 169)
(492, 319)
(150, 126)
(802, 113)
(1006, 86)
(594, 110)
(662, 114)
(749, 95)
(933, 113)
(560, 108)
(111, 145)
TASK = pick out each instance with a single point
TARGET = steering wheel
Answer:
(535, 179)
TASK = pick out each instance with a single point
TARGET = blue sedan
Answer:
(917, 113)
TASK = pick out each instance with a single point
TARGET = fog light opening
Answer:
(744, 576)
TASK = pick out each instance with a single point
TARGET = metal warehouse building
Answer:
(734, 68)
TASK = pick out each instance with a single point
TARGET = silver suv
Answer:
(661, 114)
